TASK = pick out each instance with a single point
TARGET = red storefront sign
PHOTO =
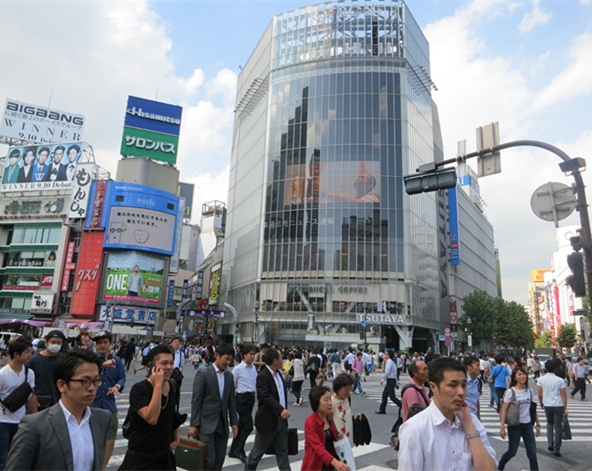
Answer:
(97, 204)
(88, 274)
(46, 281)
(68, 267)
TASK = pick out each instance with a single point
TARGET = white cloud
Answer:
(91, 55)
(572, 81)
(536, 17)
(476, 87)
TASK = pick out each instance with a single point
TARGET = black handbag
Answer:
(19, 395)
(565, 429)
(292, 443)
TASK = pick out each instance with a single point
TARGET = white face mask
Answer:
(53, 348)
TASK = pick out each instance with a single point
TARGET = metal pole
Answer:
(581, 206)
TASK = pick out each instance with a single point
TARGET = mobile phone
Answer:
(150, 368)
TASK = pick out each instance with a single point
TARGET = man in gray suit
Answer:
(69, 435)
(213, 402)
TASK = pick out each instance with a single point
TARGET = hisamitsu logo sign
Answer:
(153, 116)
(151, 129)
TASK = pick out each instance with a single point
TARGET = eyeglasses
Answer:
(86, 382)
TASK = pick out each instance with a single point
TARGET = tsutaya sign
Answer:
(387, 319)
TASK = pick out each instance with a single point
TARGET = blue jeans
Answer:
(494, 400)
(7, 432)
(526, 432)
(358, 384)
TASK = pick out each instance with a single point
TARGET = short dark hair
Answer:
(439, 366)
(159, 350)
(43, 149)
(468, 361)
(14, 154)
(499, 359)
(176, 338)
(413, 368)
(550, 365)
(74, 147)
(62, 148)
(246, 349)
(315, 394)
(68, 362)
(225, 349)
(342, 380)
(19, 345)
(270, 355)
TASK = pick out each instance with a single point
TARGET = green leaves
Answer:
(494, 317)
(567, 336)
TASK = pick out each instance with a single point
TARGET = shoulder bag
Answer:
(19, 395)
(513, 412)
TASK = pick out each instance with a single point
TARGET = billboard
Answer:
(538, 276)
(151, 129)
(139, 217)
(42, 167)
(40, 124)
(134, 278)
(332, 182)
(454, 227)
(127, 314)
(81, 190)
(88, 269)
(42, 303)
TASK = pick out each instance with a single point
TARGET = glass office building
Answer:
(323, 246)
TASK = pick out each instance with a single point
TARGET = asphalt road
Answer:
(378, 456)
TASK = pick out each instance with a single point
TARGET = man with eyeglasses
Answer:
(69, 435)
(113, 376)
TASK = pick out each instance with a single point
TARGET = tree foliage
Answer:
(494, 317)
(544, 341)
(567, 336)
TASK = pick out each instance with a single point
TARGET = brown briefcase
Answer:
(191, 454)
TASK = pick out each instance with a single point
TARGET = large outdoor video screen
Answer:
(134, 278)
(332, 182)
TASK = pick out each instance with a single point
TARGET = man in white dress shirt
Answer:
(446, 436)
(69, 435)
(245, 385)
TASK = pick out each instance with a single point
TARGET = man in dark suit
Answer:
(271, 419)
(69, 435)
(213, 403)
(57, 171)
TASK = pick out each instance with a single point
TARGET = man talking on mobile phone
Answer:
(152, 434)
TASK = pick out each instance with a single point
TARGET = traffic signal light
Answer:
(430, 181)
(576, 281)
(361, 335)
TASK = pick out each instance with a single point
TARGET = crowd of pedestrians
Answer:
(59, 404)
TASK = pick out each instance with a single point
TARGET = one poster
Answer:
(40, 124)
(133, 277)
(43, 167)
(186, 190)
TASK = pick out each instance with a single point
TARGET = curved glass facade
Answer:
(334, 107)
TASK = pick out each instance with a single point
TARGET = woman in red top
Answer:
(320, 433)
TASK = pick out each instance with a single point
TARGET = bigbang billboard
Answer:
(39, 124)
(43, 167)
(134, 278)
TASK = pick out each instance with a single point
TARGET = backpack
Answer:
(19, 395)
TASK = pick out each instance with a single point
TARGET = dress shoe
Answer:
(239, 455)
(379, 412)
(550, 448)
(557, 453)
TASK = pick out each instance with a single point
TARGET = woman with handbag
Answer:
(320, 434)
(519, 412)
(341, 406)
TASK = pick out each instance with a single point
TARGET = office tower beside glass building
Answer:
(323, 246)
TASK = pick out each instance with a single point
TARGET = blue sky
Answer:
(526, 64)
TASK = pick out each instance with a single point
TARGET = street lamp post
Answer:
(469, 334)
(256, 306)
